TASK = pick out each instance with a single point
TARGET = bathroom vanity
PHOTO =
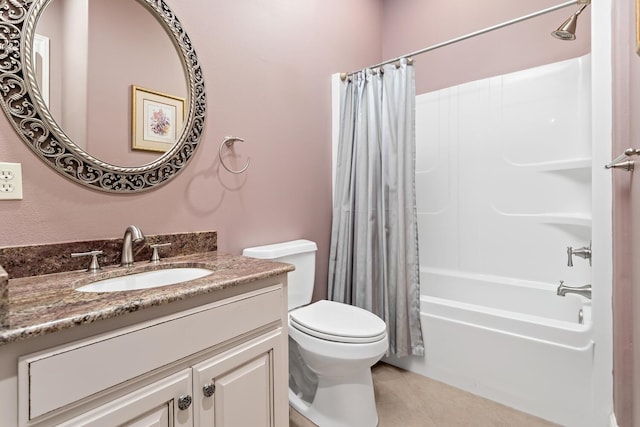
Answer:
(207, 352)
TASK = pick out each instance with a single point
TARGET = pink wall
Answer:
(632, 319)
(626, 220)
(410, 25)
(267, 67)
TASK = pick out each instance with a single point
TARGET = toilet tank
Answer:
(300, 253)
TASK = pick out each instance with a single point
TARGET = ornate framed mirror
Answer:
(95, 147)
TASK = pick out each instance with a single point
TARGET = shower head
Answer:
(567, 31)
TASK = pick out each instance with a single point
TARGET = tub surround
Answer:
(520, 218)
(42, 304)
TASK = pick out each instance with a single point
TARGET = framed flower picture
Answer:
(156, 119)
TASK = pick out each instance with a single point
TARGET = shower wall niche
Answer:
(503, 174)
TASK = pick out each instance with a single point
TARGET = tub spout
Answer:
(563, 289)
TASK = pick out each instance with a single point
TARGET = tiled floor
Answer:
(405, 399)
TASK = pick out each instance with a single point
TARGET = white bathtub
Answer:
(516, 343)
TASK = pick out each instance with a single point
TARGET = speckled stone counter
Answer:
(36, 260)
(39, 305)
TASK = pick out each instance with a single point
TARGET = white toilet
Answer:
(332, 346)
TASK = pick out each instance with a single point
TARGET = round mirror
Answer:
(118, 109)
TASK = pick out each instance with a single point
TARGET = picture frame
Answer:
(156, 119)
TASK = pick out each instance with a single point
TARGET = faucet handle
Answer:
(154, 256)
(570, 256)
(583, 252)
(94, 266)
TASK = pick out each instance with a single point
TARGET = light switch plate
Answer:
(10, 181)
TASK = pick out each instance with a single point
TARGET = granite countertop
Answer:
(39, 305)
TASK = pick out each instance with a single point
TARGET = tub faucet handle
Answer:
(583, 252)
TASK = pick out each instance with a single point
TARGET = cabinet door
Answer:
(155, 405)
(237, 388)
(157, 417)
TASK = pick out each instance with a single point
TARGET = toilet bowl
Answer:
(338, 343)
(341, 355)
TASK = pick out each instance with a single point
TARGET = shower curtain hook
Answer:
(228, 142)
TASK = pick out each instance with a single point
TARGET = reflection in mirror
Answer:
(94, 65)
(66, 131)
(41, 65)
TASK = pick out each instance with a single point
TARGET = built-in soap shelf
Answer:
(579, 219)
(559, 165)
(579, 168)
(583, 220)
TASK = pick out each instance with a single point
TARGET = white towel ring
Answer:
(228, 141)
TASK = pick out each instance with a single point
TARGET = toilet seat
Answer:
(334, 321)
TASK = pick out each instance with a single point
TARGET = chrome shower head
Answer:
(567, 31)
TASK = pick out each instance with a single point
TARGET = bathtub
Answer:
(514, 342)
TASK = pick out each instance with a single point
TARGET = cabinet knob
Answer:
(209, 389)
(184, 402)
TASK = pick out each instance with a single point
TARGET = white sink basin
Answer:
(146, 280)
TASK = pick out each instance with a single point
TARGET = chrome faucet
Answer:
(563, 289)
(131, 234)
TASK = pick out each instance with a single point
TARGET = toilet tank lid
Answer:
(279, 250)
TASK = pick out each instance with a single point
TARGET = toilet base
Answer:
(345, 401)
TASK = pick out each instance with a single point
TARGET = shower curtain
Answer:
(373, 261)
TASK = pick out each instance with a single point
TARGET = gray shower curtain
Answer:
(373, 261)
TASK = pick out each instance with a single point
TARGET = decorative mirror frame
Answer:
(24, 107)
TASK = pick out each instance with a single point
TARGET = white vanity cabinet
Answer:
(236, 387)
(223, 364)
(154, 405)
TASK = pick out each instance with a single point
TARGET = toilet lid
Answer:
(339, 322)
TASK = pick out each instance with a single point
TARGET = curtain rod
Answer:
(343, 76)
